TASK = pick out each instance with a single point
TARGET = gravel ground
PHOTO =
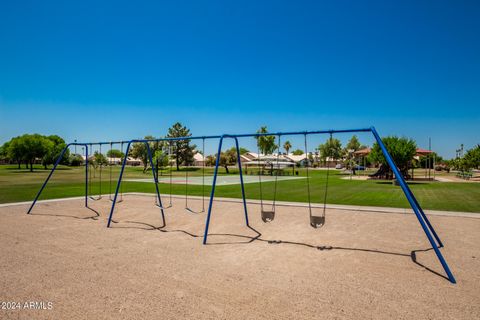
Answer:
(360, 265)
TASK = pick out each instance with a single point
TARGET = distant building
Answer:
(133, 161)
(198, 160)
(114, 161)
(298, 159)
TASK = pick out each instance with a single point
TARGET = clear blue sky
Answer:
(92, 70)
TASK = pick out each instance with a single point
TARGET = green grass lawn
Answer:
(22, 185)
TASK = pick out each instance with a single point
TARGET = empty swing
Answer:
(203, 184)
(170, 203)
(268, 215)
(111, 163)
(316, 221)
(100, 175)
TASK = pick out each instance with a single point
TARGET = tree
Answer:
(139, 151)
(332, 148)
(228, 158)
(160, 159)
(52, 154)
(243, 150)
(427, 161)
(353, 144)
(30, 147)
(115, 153)
(298, 152)
(99, 159)
(210, 161)
(287, 146)
(15, 150)
(75, 160)
(472, 158)
(310, 158)
(4, 151)
(402, 151)
(266, 144)
(182, 149)
(35, 146)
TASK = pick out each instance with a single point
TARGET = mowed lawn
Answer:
(22, 185)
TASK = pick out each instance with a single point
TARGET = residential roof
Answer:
(198, 157)
(362, 152)
(296, 158)
(422, 152)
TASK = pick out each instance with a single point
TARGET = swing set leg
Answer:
(214, 183)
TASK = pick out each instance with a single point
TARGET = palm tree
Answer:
(287, 146)
(266, 144)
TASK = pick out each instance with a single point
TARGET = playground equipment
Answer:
(423, 220)
(170, 203)
(111, 175)
(203, 184)
(316, 221)
(269, 215)
(96, 166)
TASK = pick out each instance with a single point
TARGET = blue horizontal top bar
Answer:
(291, 133)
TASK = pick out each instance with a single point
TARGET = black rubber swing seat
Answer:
(317, 221)
(268, 216)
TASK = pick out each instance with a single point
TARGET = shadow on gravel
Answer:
(250, 239)
(94, 217)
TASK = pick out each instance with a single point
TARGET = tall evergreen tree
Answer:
(182, 149)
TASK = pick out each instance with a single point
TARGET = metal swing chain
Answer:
(125, 156)
(203, 182)
(110, 176)
(186, 188)
(259, 177)
(326, 185)
(308, 182)
(89, 173)
(167, 154)
(111, 163)
(203, 175)
(171, 167)
(308, 176)
(276, 175)
(100, 177)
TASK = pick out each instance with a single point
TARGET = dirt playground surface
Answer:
(360, 265)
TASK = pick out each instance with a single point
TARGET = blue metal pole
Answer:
(241, 181)
(424, 216)
(86, 175)
(212, 194)
(49, 176)
(118, 184)
(238, 135)
(414, 204)
(155, 180)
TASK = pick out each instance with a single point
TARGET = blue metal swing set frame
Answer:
(427, 227)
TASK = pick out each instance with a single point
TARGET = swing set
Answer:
(92, 168)
(267, 212)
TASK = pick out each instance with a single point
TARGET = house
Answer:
(271, 160)
(114, 161)
(198, 160)
(422, 153)
(249, 156)
(133, 161)
(297, 159)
